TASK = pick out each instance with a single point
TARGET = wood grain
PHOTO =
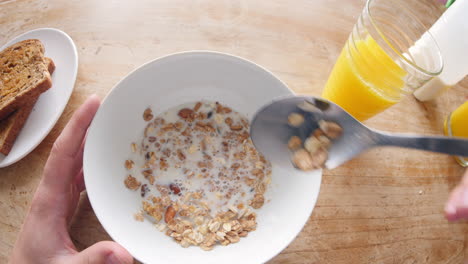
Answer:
(383, 207)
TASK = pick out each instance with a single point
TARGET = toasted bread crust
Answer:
(24, 75)
(50, 65)
(11, 126)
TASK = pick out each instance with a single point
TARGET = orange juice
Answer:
(365, 80)
(458, 122)
(457, 125)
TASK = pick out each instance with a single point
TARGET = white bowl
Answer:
(171, 81)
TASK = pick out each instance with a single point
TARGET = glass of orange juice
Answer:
(386, 57)
(456, 125)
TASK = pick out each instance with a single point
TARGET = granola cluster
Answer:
(314, 152)
(199, 174)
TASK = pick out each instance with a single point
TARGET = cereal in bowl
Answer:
(198, 174)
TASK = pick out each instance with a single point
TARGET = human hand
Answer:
(44, 237)
(457, 205)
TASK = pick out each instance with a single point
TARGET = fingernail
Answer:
(112, 259)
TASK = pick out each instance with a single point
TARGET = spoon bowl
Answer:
(270, 132)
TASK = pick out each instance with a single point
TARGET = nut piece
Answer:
(330, 129)
(320, 157)
(317, 133)
(197, 106)
(312, 144)
(129, 164)
(170, 213)
(294, 143)
(186, 113)
(148, 114)
(131, 182)
(236, 127)
(324, 140)
(303, 160)
(295, 119)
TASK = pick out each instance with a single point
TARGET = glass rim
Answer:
(398, 53)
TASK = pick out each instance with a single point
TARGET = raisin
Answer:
(174, 188)
(144, 190)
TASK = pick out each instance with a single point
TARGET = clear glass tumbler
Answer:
(388, 54)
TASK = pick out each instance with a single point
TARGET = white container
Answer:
(451, 34)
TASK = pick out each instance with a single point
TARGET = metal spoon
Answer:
(270, 132)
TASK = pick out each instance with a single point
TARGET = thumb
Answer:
(105, 252)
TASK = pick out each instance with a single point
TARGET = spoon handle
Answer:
(447, 145)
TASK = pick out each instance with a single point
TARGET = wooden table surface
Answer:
(384, 207)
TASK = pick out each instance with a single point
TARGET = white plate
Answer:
(161, 84)
(61, 49)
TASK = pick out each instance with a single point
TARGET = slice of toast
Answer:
(11, 126)
(50, 65)
(23, 75)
